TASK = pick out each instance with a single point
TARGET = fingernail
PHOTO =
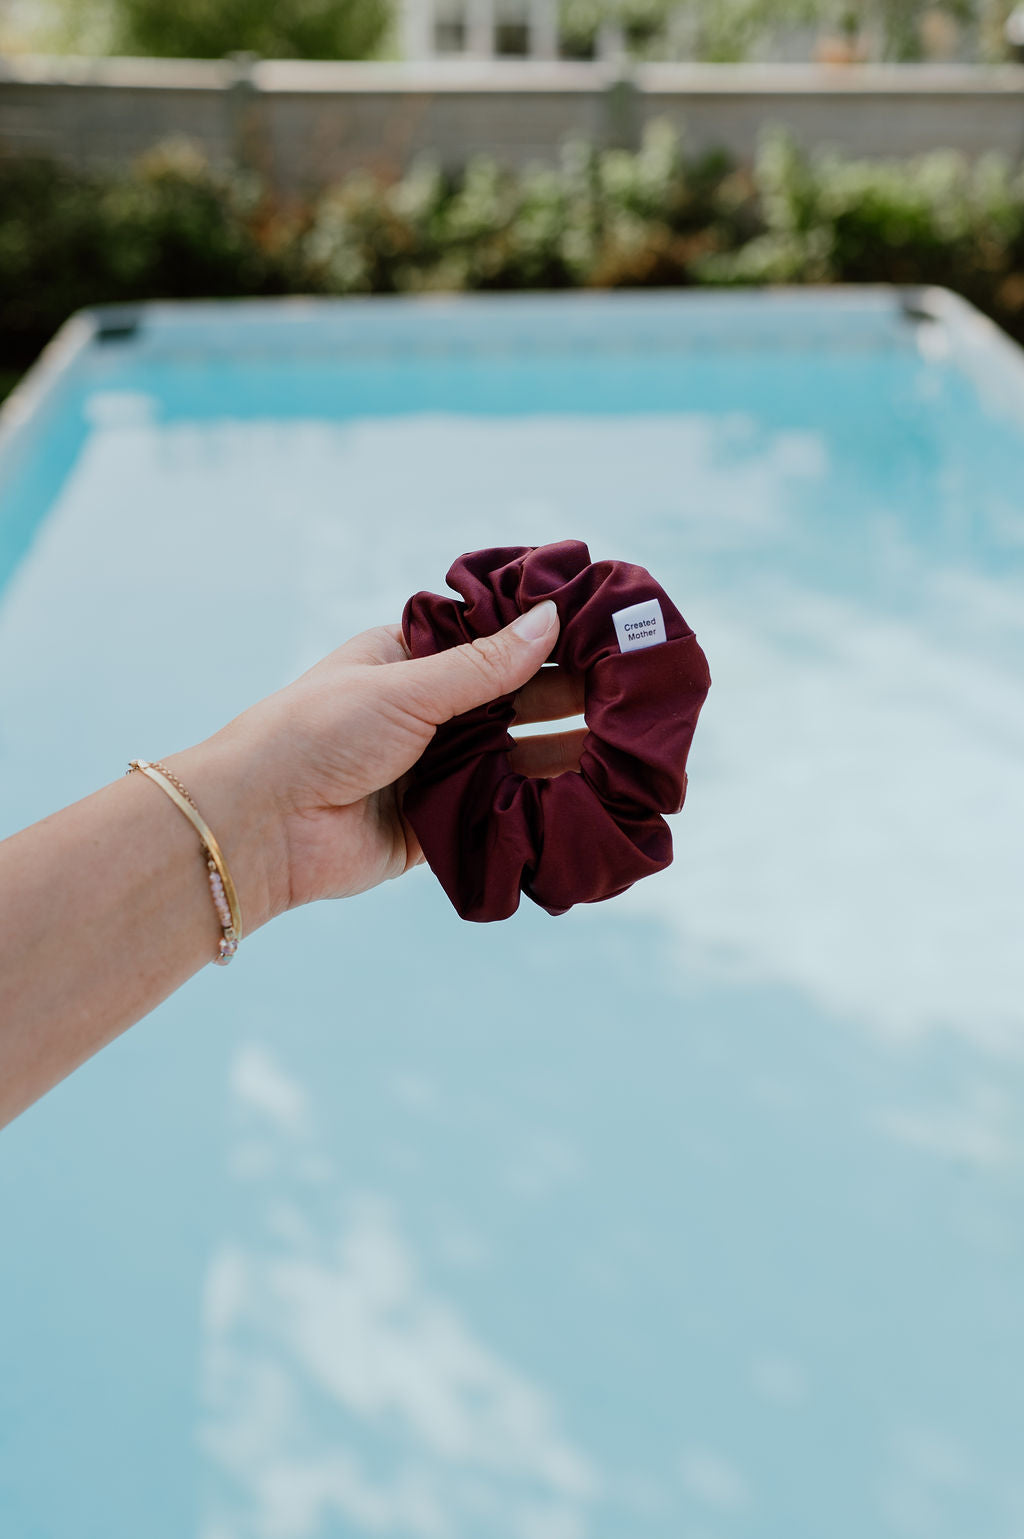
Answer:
(536, 623)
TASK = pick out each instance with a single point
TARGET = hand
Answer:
(331, 751)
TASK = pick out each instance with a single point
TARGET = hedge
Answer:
(174, 227)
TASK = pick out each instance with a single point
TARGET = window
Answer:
(511, 29)
(450, 29)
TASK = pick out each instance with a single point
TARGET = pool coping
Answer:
(20, 409)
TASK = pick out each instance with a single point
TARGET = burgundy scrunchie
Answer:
(489, 833)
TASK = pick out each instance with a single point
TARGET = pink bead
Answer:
(228, 943)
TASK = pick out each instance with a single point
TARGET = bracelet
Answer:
(222, 888)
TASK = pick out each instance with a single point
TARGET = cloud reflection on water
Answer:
(340, 1387)
(871, 777)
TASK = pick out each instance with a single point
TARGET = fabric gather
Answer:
(489, 833)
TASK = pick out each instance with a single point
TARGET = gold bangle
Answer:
(222, 888)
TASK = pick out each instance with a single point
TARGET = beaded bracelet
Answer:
(222, 888)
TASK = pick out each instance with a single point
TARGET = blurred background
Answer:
(738, 30)
(361, 146)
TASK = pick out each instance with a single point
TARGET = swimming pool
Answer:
(717, 1227)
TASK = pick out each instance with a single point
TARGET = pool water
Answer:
(695, 1215)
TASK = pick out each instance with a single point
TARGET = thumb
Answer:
(448, 683)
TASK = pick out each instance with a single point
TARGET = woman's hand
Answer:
(328, 754)
(105, 907)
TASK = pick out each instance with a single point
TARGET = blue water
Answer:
(697, 1214)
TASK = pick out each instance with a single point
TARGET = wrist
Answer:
(240, 806)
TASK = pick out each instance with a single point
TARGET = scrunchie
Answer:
(489, 833)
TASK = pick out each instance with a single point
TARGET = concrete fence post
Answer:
(622, 114)
(245, 129)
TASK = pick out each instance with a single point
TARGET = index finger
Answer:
(550, 695)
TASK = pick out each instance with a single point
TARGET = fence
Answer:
(304, 124)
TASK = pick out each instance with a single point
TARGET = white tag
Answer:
(639, 626)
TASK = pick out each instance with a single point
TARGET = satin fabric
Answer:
(489, 833)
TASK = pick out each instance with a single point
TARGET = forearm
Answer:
(105, 909)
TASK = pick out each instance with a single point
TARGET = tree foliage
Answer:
(210, 29)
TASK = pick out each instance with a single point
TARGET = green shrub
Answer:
(600, 218)
(170, 228)
(938, 218)
(174, 227)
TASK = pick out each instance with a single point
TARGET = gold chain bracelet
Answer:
(222, 888)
